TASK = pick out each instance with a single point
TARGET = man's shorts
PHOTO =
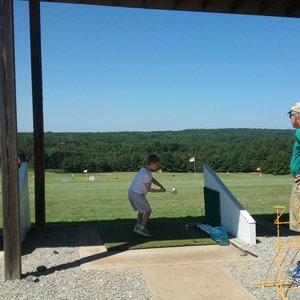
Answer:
(294, 211)
(138, 202)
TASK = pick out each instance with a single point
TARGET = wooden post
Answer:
(38, 118)
(8, 121)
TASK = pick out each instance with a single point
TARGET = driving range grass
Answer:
(104, 203)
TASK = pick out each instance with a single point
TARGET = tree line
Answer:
(226, 150)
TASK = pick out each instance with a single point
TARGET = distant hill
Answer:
(233, 150)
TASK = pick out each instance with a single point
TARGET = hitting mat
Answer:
(118, 235)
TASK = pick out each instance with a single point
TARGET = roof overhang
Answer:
(279, 8)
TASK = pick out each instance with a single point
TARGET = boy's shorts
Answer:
(138, 202)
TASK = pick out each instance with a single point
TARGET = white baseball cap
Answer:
(295, 107)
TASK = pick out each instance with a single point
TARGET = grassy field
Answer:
(104, 203)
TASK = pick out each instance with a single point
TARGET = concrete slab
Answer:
(152, 257)
(94, 255)
(172, 273)
(198, 281)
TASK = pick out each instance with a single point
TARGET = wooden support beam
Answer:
(205, 4)
(8, 121)
(38, 115)
(265, 5)
(292, 5)
(235, 4)
(175, 4)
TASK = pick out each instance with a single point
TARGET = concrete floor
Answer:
(172, 273)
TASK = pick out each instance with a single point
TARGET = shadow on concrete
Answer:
(119, 236)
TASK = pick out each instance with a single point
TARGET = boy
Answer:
(138, 190)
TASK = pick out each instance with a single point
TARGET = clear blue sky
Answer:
(116, 69)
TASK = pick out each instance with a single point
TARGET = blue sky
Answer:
(116, 69)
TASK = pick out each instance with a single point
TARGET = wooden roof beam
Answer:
(205, 4)
(292, 6)
(268, 5)
(236, 4)
(175, 4)
(283, 8)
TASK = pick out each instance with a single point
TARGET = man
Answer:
(294, 114)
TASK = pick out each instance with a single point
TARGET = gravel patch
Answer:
(250, 272)
(55, 255)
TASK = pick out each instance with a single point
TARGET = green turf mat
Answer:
(167, 232)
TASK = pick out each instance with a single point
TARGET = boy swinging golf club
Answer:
(141, 185)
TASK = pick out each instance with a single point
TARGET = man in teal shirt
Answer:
(294, 114)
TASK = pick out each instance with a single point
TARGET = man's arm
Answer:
(297, 135)
(151, 190)
(154, 181)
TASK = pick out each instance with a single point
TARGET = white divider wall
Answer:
(24, 201)
(234, 218)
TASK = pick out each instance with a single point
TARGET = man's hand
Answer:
(297, 179)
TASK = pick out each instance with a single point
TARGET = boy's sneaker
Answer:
(144, 231)
(295, 274)
(136, 228)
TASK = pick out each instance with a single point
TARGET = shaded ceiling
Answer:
(282, 8)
